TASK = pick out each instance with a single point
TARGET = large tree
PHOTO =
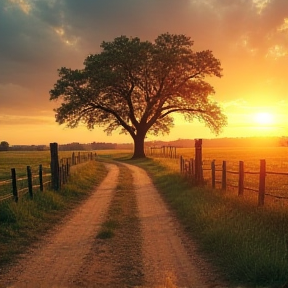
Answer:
(137, 85)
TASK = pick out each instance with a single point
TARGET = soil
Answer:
(148, 249)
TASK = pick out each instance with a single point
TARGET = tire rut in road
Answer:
(55, 263)
(116, 260)
(165, 259)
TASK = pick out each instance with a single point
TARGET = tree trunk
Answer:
(139, 146)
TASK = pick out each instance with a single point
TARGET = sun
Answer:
(263, 118)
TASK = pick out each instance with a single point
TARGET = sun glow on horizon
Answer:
(264, 118)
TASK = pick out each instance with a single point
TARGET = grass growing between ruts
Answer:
(247, 243)
(22, 223)
(121, 232)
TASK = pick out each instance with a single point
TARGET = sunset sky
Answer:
(249, 37)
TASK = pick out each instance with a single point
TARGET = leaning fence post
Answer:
(41, 177)
(262, 177)
(14, 184)
(29, 178)
(213, 173)
(224, 173)
(241, 178)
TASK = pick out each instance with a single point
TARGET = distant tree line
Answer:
(28, 148)
(75, 146)
(4, 146)
(185, 143)
(89, 146)
(225, 142)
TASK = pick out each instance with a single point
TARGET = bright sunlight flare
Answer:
(264, 118)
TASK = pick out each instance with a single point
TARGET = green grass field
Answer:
(20, 160)
(276, 161)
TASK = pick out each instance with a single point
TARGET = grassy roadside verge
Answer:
(248, 244)
(24, 223)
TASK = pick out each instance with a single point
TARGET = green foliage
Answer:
(7, 213)
(136, 86)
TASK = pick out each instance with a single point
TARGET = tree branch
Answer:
(182, 110)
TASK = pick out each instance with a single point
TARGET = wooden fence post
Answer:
(241, 178)
(192, 167)
(30, 185)
(67, 167)
(41, 178)
(213, 174)
(64, 174)
(14, 184)
(181, 164)
(60, 177)
(262, 177)
(73, 158)
(54, 166)
(198, 161)
(224, 176)
(189, 169)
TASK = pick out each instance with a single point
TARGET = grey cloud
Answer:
(31, 51)
(28, 48)
(50, 12)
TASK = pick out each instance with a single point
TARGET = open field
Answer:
(276, 157)
(276, 161)
(21, 159)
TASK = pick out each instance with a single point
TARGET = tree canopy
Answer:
(137, 86)
(4, 146)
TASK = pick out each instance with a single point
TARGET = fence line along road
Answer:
(10, 188)
(187, 167)
(190, 168)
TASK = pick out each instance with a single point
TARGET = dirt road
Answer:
(60, 260)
